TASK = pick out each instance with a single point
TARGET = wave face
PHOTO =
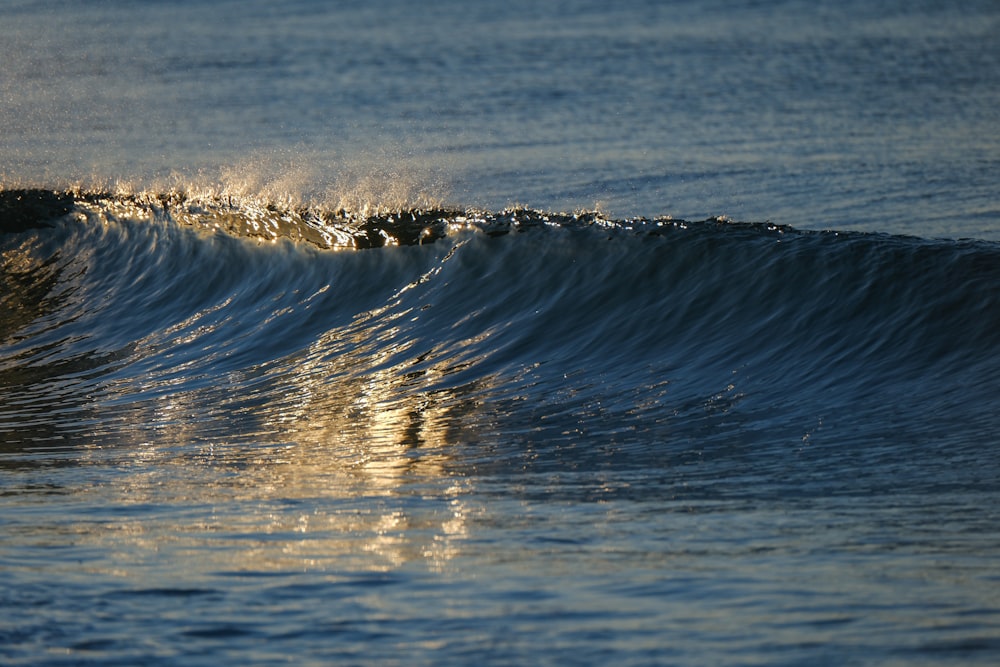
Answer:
(651, 333)
(534, 358)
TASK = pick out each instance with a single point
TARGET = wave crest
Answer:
(339, 227)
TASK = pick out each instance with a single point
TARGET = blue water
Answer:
(362, 333)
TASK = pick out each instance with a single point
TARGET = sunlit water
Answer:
(518, 438)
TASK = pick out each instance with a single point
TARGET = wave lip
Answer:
(336, 228)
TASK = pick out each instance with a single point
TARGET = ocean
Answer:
(637, 333)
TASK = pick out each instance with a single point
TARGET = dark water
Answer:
(526, 439)
(268, 395)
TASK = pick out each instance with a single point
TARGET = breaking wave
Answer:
(612, 342)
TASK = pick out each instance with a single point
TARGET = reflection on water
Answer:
(335, 456)
(350, 478)
(363, 484)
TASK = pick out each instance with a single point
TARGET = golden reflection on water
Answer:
(336, 469)
(337, 456)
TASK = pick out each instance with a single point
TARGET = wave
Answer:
(131, 318)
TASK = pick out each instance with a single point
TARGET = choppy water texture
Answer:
(303, 407)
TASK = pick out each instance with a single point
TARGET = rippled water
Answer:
(283, 378)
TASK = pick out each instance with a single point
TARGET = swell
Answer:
(532, 336)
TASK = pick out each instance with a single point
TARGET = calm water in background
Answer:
(670, 445)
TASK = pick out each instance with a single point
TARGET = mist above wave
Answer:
(383, 180)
